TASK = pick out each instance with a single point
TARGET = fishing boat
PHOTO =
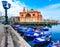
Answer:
(31, 33)
(54, 44)
(44, 28)
(31, 27)
(16, 27)
(19, 28)
(41, 40)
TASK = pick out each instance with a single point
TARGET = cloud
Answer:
(48, 12)
(51, 12)
(16, 7)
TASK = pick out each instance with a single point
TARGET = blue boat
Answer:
(44, 29)
(30, 33)
(16, 27)
(19, 29)
(41, 40)
(54, 44)
(45, 33)
(34, 27)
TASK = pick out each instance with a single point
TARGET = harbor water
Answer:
(55, 35)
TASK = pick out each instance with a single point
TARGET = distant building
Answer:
(30, 16)
(0, 13)
(2, 19)
(14, 20)
(53, 21)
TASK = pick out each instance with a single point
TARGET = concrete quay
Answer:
(2, 33)
(13, 38)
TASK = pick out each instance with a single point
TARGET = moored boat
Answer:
(44, 28)
(41, 40)
(17, 27)
(31, 33)
(54, 44)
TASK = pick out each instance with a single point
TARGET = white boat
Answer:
(54, 44)
(41, 40)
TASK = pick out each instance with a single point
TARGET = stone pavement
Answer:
(13, 38)
(3, 37)
(2, 33)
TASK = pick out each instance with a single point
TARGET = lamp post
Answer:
(6, 6)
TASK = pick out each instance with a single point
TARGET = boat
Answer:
(44, 28)
(19, 28)
(16, 27)
(41, 40)
(34, 27)
(31, 33)
(45, 33)
(54, 44)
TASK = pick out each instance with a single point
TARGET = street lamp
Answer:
(6, 6)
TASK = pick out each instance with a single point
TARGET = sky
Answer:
(50, 9)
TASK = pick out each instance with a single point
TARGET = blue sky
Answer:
(50, 9)
(39, 3)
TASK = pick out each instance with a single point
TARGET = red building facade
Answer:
(30, 16)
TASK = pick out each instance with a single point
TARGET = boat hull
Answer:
(36, 42)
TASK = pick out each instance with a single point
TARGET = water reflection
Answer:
(44, 45)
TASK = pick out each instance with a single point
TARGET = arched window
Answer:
(22, 15)
(33, 14)
(28, 15)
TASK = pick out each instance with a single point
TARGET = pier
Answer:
(10, 38)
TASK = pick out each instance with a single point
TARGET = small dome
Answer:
(32, 9)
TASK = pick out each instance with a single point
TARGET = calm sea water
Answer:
(55, 33)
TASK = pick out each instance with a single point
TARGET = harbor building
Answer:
(14, 19)
(30, 16)
(2, 19)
